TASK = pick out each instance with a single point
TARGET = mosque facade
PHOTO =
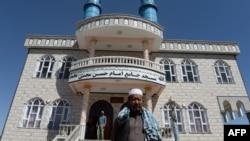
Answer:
(67, 80)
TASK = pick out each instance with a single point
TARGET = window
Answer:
(44, 67)
(170, 73)
(168, 122)
(197, 119)
(32, 113)
(189, 71)
(223, 73)
(65, 66)
(59, 114)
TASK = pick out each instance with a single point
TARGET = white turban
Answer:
(135, 91)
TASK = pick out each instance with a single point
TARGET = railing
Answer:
(166, 133)
(117, 60)
(74, 135)
(65, 130)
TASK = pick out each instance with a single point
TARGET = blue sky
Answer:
(215, 20)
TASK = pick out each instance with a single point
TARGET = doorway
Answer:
(96, 108)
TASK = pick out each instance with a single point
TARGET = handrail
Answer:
(66, 129)
(74, 135)
(117, 60)
(166, 132)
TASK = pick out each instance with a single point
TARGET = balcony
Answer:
(113, 74)
(119, 32)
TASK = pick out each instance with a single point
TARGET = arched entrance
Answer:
(91, 130)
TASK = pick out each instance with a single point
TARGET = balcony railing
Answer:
(117, 60)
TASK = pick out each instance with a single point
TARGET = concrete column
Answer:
(148, 99)
(145, 45)
(92, 46)
(85, 104)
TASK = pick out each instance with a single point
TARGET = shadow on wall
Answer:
(73, 111)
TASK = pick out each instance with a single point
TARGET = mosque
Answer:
(67, 80)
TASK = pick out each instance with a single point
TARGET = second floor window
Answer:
(44, 67)
(223, 72)
(189, 71)
(65, 66)
(170, 73)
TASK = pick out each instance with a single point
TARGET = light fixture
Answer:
(48, 101)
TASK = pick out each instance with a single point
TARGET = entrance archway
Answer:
(91, 131)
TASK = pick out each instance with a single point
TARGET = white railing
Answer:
(66, 129)
(117, 60)
(74, 135)
(166, 133)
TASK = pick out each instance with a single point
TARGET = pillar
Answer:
(145, 45)
(84, 110)
(92, 46)
(148, 99)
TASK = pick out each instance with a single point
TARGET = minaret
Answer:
(148, 10)
(92, 8)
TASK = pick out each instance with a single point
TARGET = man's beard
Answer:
(136, 109)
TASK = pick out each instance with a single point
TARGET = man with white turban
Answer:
(134, 122)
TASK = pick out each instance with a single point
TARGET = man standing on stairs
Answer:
(102, 120)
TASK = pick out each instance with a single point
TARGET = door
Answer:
(96, 108)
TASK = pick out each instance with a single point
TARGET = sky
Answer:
(211, 20)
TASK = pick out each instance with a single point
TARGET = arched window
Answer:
(168, 122)
(198, 122)
(59, 114)
(44, 67)
(223, 73)
(65, 66)
(170, 73)
(189, 71)
(32, 113)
